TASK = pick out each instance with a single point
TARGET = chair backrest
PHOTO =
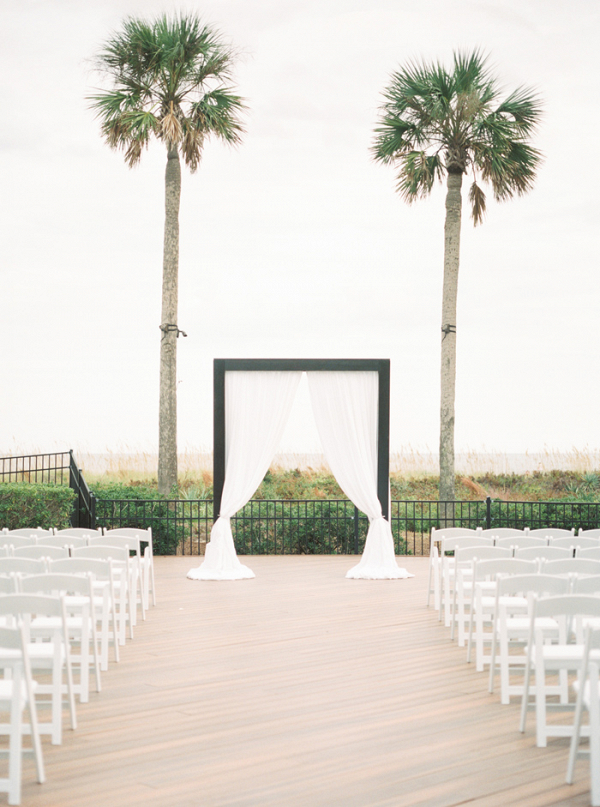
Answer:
(502, 532)
(570, 566)
(30, 532)
(39, 604)
(469, 553)
(521, 541)
(102, 552)
(130, 542)
(586, 585)
(576, 540)
(8, 584)
(22, 566)
(454, 543)
(552, 532)
(79, 532)
(591, 552)
(488, 569)
(540, 584)
(568, 605)
(595, 533)
(101, 569)
(145, 535)
(546, 552)
(38, 551)
(62, 540)
(55, 584)
(17, 541)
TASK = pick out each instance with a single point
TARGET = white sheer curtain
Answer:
(257, 407)
(345, 405)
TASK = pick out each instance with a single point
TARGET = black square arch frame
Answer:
(380, 366)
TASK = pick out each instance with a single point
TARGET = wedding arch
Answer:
(351, 404)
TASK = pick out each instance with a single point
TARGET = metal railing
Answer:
(57, 468)
(314, 526)
(326, 526)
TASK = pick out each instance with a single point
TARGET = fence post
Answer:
(488, 513)
(355, 530)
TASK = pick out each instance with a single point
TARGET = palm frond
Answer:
(477, 200)
(169, 79)
(417, 175)
(429, 111)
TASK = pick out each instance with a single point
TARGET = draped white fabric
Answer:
(257, 407)
(345, 405)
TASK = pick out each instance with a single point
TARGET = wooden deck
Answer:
(298, 689)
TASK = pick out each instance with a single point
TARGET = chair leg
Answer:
(574, 747)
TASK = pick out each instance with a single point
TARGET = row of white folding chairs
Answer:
(86, 593)
(456, 587)
(55, 616)
(139, 541)
(125, 571)
(17, 695)
(446, 542)
(541, 606)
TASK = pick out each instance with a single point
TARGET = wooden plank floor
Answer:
(298, 689)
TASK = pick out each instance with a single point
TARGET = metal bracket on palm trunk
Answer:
(170, 329)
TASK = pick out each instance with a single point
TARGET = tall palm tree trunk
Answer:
(167, 415)
(448, 370)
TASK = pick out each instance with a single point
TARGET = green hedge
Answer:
(119, 505)
(26, 504)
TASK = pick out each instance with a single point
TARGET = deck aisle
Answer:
(298, 689)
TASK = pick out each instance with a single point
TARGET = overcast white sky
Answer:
(295, 244)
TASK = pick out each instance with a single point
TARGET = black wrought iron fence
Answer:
(326, 526)
(320, 526)
(42, 469)
(57, 468)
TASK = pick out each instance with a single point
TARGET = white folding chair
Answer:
(511, 625)
(18, 542)
(17, 694)
(570, 566)
(81, 626)
(561, 657)
(586, 584)
(131, 544)
(521, 541)
(105, 598)
(481, 621)
(463, 588)
(79, 532)
(576, 541)
(552, 532)
(37, 551)
(121, 563)
(595, 533)
(591, 554)
(587, 687)
(435, 541)
(23, 566)
(543, 553)
(62, 541)
(504, 532)
(52, 655)
(444, 576)
(146, 556)
(29, 532)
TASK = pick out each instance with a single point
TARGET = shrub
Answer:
(26, 504)
(120, 505)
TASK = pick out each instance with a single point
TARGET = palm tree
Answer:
(436, 124)
(168, 79)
